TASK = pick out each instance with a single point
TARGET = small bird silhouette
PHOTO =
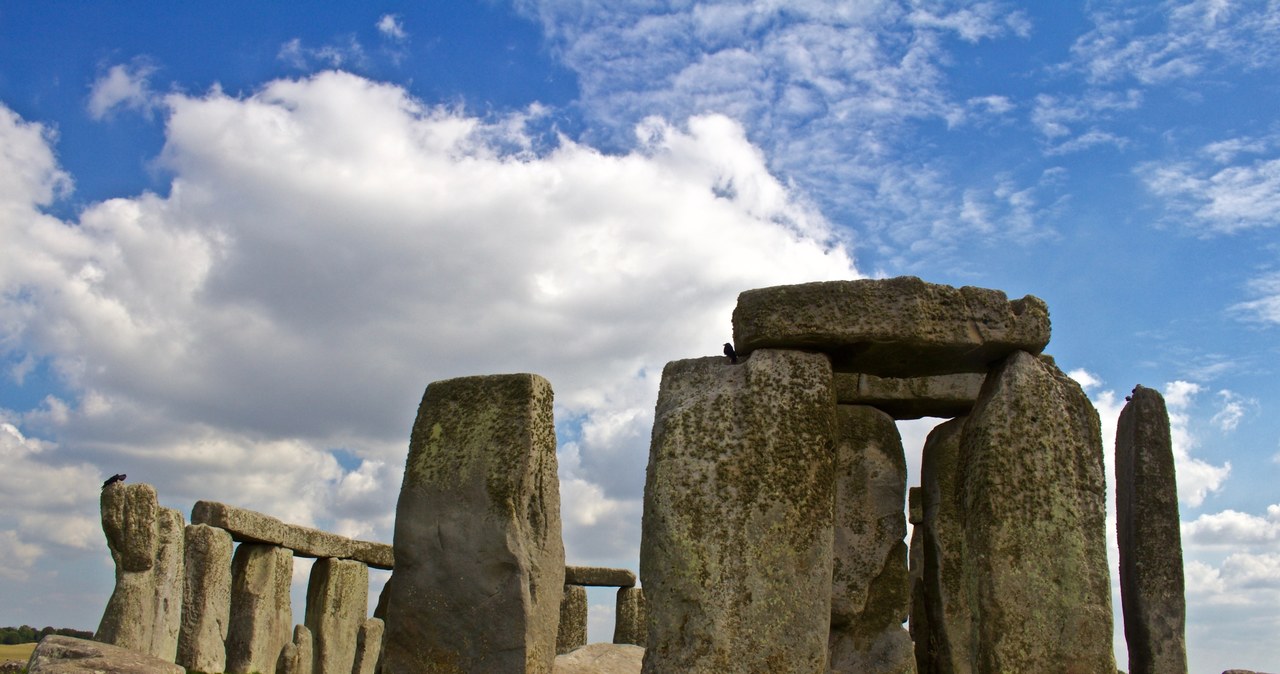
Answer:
(118, 477)
(728, 351)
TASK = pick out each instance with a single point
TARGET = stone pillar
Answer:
(296, 657)
(870, 593)
(261, 609)
(337, 601)
(479, 559)
(368, 646)
(1034, 510)
(736, 545)
(631, 624)
(206, 599)
(573, 619)
(1150, 539)
(948, 637)
(145, 609)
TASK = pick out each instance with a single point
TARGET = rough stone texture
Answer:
(1034, 510)
(368, 646)
(261, 609)
(1149, 536)
(947, 395)
(145, 608)
(870, 592)
(57, 654)
(899, 327)
(601, 659)
(631, 622)
(206, 599)
(918, 624)
(247, 526)
(573, 619)
(943, 642)
(297, 656)
(736, 544)
(479, 555)
(337, 601)
(599, 576)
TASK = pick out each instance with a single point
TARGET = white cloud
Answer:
(1196, 478)
(392, 27)
(348, 54)
(1233, 410)
(123, 86)
(1221, 200)
(1265, 307)
(1233, 529)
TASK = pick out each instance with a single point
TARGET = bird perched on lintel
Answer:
(118, 477)
(728, 351)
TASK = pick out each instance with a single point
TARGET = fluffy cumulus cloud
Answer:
(261, 333)
(124, 86)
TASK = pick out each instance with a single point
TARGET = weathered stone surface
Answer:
(899, 327)
(168, 570)
(1033, 505)
(601, 659)
(368, 646)
(599, 576)
(297, 656)
(736, 545)
(261, 609)
(206, 599)
(946, 395)
(573, 619)
(915, 506)
(247, 526)
(57, 654)
(943, 644)
(631, 621)
(870, 593)
(337, 601)
(1149, 536)
(478, 549)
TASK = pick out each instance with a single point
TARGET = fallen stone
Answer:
(368, 646)
(573, 619)
(261, 609)
(736, 544)
(601, 659)
(57, 654)
(870, 591)
(479, 555)
(946, 395)
(297, 656)
(899, 327)
(337, 601)
(206, 599)
(1149, 537)
(247, 526)
(599, 576)
(945, 614)
(1033, 501)
(631, 622)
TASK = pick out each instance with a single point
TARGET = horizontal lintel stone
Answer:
(254, 527)
(599, 576)
(945, 395)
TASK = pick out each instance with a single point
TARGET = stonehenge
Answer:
(775, 519)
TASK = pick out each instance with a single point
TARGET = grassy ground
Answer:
(16, 652)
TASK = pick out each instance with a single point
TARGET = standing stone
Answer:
(368, 646)
(631, 622)
(573, 619)
(296, 656)
(261, 609)
(870, 591)
(1149, 536)
(337, 601)
(170, 556)
(1034, 509)
(947, 625)
(479, 556)
(735, 552)
(206, 599)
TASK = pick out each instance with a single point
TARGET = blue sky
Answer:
(241, 238)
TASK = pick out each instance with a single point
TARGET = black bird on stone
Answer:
(728, 351)
(118, 477)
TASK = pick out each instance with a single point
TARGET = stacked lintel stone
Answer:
(774, 499)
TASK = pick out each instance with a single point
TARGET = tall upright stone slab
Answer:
(1150, 538)
(206, 599)
(479, 556)
(944, 644)
(870, 593)
(144, 611)
(337, 601)
(736, 547)
(369, 646)
(573, 619)
(630, 617)
(1034, 508)
(261, 609)
(296, 656)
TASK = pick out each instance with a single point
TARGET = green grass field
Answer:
(16, 652)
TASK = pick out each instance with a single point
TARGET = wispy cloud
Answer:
(391, 27)
(123, 86)
(348, 54)
(1226, 187)
(1265, 305)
